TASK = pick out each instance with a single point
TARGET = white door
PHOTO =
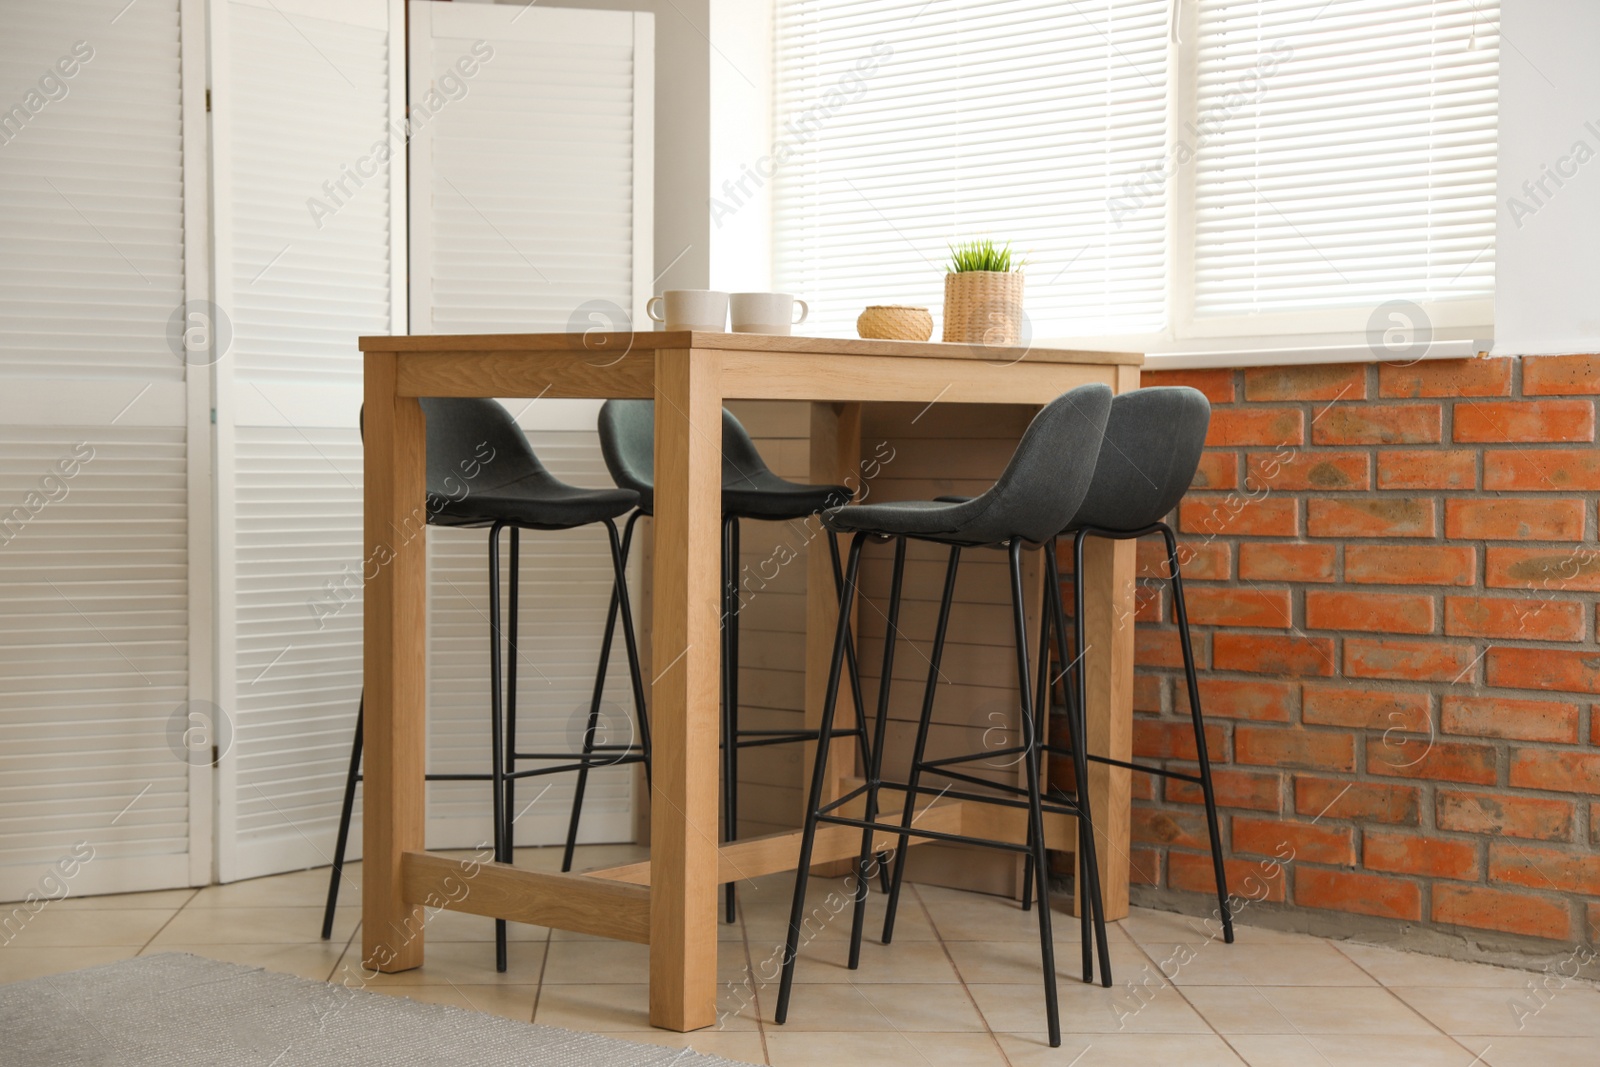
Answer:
(309, 228)
(105, 764)
(532, 163)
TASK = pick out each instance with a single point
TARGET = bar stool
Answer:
(750, 490)
(481, 472)
(1040, 491)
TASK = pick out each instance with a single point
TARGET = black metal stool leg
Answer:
(1036, 836)
(630, 640)
(819, 771)
(920, 747)
(1041, 701)
(1089, 914)
(513, 609)
(345, 812)
(730, 736)
(855, 689)
(875, 765)
(496, 733)
(1219, 869)
(1080, 765)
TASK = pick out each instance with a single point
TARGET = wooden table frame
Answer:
(670, 902)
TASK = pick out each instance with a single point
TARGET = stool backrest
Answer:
(1049, 473)
(628, 442)
(1154, 439)
(473, 446)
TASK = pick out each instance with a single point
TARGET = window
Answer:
(1169, 168)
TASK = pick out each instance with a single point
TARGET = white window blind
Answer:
(903, 125)
(1348, 153)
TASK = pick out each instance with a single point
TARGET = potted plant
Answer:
(983, 294)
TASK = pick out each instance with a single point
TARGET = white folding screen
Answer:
(309, 227)
(531, 161)
(104, 536)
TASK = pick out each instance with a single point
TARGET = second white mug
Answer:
(767, 312)
(690, 309)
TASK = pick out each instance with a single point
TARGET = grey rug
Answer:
(175, 1009)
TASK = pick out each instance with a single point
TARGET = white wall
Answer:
(1547, 284)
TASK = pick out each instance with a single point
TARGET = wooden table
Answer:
(670, 902)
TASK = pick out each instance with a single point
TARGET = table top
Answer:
(624, 341)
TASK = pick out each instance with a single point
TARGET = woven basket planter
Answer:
(895, 322)
(983, 307)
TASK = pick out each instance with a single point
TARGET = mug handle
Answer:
(805, 309)
(650, 309)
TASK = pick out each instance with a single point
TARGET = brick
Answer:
(1524, 421)
(1238, 606)
(1513, 519)
(1513, 617)
(1147, 690)
(1399, 613)
(1273, 654)
(1446, 378)
(1217, 385)
(1217, 470)
(1205, 561)
(1161, 826)
(1592, 921)
(1411, 661)
(1547, 569)
(1301, 471)
(1194, 873)
(1159, 648)
(1544, 668)
(1516, 720)
(1411, 564)
(1363, 894)
(1554, 375)
(1239, 515)
(1559, 771)
(1536, 867)
(1392, 756)
(1153, 739)
(1256, 426)
(1430, 857)
(1144, 867)
(1379, 424)
(1230, 699)
(1149, 604)
(1310, 844)
(1315, 381)
(1384, 516)
(1493, 815)
(1362, 801)
(1594, 731)
(1483, 908)
(1361, 709)
(1290, 562)
(1251, 790)
(1558, 470)
(1428, 469)
(1296, 748)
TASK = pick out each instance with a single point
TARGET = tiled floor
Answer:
(958, 986)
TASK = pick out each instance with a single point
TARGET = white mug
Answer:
(690, 309)
(767, 312)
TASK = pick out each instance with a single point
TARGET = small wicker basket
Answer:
(983, 307)
(895, 322)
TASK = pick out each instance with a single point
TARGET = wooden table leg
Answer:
(836, 460)
(395, 563)
(685, 652)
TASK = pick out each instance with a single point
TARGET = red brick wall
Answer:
(1391, 576)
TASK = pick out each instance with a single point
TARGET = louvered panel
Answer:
(94, 638)
(1359, 167)
(298, 618)
(903, 126)
(91, 256)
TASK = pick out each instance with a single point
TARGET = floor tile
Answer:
(1570, 1012)
(19, 963)
(911, 961)
(1146, 925)
(1002, 962)
(54, 927)
(876, 1008)
(244, 926)
(462, 962)
(1369, 1051)
(1314, 963)
(962, 916)
(315, 960)
(598, 962)
(614, 1008)
(1370, 1011)
(507, 1001)
(168, 899)
(1019, 1009)
(1532, 1051)
(1392, 967)
(741, 1047)
(796, 1049)
(297, 889)
(1119, 1050)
